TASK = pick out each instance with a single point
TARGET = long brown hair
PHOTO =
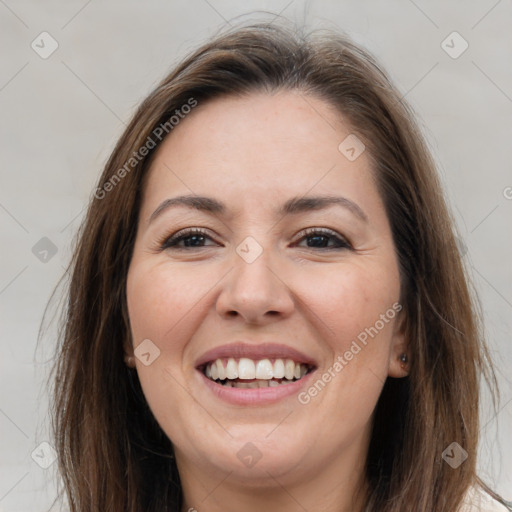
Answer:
(112, 454)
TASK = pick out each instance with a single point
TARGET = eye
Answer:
(191, 238)
(316, 238)
(320, 238)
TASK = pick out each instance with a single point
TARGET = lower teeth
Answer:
(254, 384)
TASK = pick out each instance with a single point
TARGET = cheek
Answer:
(349, 300)
(357, 309)
(159, 299)
(161, 304)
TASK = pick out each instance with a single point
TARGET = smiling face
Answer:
(272, 275)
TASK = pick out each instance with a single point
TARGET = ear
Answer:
(129, 355)
(398, 364)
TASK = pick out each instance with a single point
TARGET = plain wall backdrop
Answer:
(72, 74)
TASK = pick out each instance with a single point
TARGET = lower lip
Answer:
(256, 396)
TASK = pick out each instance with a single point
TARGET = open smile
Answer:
(251, 374)
(255, 374)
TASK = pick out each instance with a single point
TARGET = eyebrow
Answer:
(292, 206)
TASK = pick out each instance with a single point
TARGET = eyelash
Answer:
(172, 241)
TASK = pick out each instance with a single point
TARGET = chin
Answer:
(253, 455)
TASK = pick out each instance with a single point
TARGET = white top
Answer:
(477, 500)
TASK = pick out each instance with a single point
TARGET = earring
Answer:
(404, 360)
(129, 361)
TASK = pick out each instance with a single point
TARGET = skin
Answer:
(254, 153)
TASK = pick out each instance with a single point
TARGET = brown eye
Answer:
(191, 238)
(324, 239)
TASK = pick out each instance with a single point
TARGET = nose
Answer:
(256, 292)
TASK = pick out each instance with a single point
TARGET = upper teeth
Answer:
(246, 368)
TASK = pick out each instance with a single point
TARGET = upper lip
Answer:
(254, 351)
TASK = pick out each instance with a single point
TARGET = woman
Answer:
(267, 308)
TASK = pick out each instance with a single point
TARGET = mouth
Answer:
(252, 374)
(249, 373)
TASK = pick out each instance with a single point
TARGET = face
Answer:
(284, 278)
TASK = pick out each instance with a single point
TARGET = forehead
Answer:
(259, 150)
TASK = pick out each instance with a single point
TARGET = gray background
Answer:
(61, 116)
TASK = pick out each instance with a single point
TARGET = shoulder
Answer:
(477, 500)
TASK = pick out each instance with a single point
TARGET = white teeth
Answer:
(246, 369)
(273, 383)
(231, 369)
(220, 370)
(214, 371)
(264, 370)
(279, 369)
(289, 369)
